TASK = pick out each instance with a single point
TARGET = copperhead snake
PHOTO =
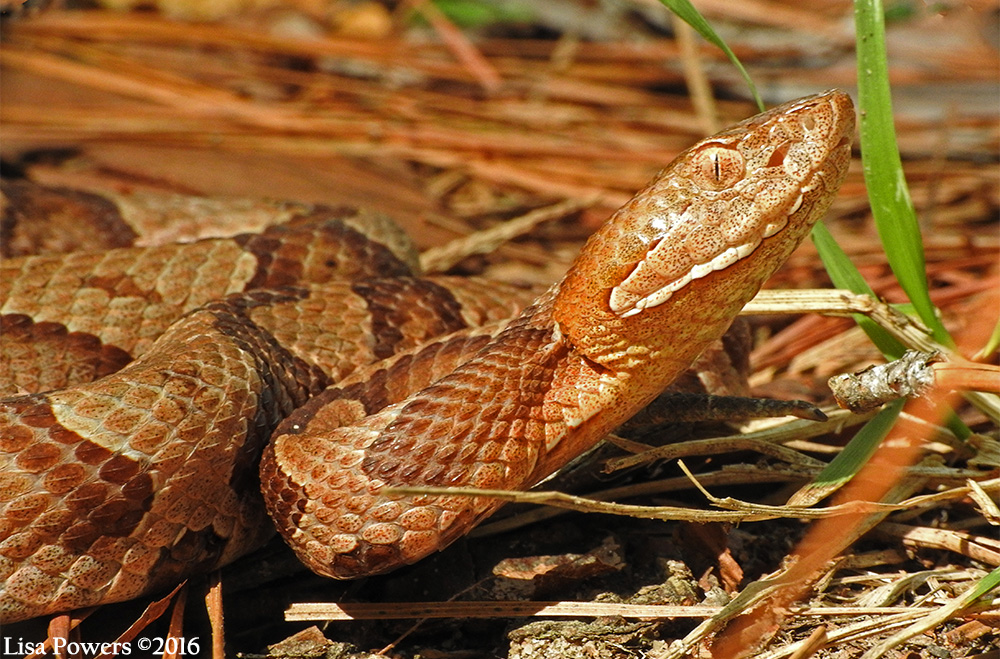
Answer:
(116, 487)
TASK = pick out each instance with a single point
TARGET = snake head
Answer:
(670, 269)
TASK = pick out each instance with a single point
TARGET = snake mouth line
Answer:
(658, 287)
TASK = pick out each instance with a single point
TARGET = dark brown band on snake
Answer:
(652, 289)
(75, 317)
(37, 219)
(162, 452)
(153, 471)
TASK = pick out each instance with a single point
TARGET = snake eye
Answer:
(716, 167)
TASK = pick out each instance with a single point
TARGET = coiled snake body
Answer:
(116, 487)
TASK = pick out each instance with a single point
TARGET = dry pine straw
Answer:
(570, 120)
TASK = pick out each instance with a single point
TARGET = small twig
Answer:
(729, 476)
(929, 621)
(966, 544)
(736, 510)
(765, 441)
(176, 626)
(306, 611)
(810, 646)
(460, 46)
(852, 632)
(694, 75)
(213, 604)
(987, 504)
(749, 474)
(909, 376)
(907, 330)
(152, 611)
(912, 375)
(440, 259)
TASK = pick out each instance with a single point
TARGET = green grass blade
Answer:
(855, 455)
(480, 13)
(993, 341)
(687, 13)
(932, 621)
(892, 208)
(844, 275)
(988, 583)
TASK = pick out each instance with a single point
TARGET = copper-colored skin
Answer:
(70, 319)
(121, 486)
(583, 359)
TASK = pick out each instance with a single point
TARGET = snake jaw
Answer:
(646, 288)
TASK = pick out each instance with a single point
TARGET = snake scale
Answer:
(118, 486)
